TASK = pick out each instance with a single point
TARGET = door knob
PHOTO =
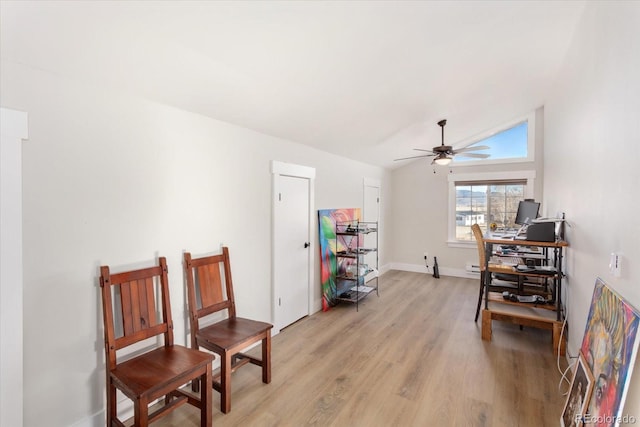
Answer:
(306, 244)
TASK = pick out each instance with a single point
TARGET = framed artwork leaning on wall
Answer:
(579, 394)
(609, 348)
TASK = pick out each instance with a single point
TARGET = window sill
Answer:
(461, 244)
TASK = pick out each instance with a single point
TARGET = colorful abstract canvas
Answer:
(327, 219)
(609, 346)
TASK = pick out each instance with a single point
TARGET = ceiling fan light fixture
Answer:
(442, 160)
(444, 154)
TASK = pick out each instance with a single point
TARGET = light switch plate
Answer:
(615, 264)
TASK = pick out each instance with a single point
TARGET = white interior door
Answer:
(293, 246)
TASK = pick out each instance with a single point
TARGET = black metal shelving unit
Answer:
(354, 278)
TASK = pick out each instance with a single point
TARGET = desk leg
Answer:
(557, 343)
(486, 325)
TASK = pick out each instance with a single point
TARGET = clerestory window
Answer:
(510, 142)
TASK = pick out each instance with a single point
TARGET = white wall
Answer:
(112, 179)
(592, 157)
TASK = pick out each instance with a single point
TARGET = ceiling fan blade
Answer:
(422, 149)
(471, 148)
(474, 155)
(414, 157)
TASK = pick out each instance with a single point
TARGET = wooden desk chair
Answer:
(226, 337)
(129, 301)
(485, 276)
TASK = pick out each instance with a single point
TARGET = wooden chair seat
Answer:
(230, 333)
(210, 292)
(156, 373)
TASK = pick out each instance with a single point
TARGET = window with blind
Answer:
(486, 202)
(485, 198)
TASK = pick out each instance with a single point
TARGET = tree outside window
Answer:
(486, 202)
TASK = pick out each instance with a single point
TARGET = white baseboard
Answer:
(444, 271)
(125, 412)
(96, 420)
(384, 268)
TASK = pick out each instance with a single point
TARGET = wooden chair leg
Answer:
(480, 295)
(195, 385)
(225, 383)
(141, 412)
(111, 403)
(205, 398)
(266, 358)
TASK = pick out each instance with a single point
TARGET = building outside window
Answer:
(486, 202)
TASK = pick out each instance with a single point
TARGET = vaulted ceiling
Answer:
(364, 79)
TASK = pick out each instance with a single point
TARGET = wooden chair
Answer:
(229, 336)
(485, 276)
(129, 303)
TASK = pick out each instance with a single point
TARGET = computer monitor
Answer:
(527, 212)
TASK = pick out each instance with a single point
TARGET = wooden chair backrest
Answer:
(477, 233)
(135, 307)
(209, 283)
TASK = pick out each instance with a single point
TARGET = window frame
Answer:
(530, 118)
(480, 179)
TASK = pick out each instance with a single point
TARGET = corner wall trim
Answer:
(14, 131)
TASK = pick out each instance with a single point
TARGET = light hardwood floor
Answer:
(411, 357)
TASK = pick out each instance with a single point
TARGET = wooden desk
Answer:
(530, 314)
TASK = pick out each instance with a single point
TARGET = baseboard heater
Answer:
(472, 268)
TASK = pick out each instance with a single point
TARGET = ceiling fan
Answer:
(443, 154)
